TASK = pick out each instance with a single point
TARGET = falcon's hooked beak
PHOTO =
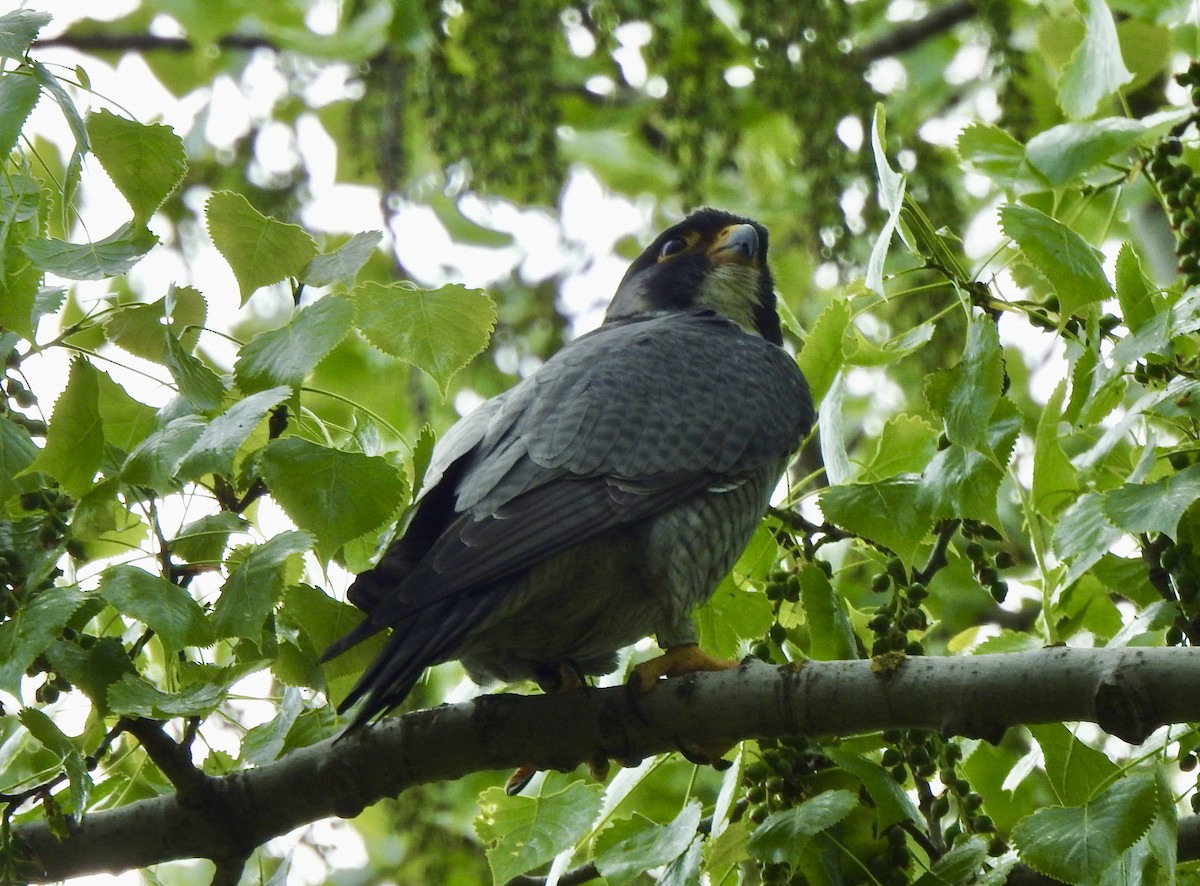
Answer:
(736, 244)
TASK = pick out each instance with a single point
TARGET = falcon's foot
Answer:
(559, 677)
(675, 662)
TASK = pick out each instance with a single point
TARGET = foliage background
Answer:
(242, 247)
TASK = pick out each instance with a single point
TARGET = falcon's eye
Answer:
(671, 247)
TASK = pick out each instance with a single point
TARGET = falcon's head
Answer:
(712, 259)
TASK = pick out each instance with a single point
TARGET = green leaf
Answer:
(18, 29)
(1055, 484)
(75, 439)
(1066, 260)
(891, 199)
(905, 446)
(145, 162)
(265, 742)
(1078, 844)
(832, 636)
(960, 865)
(821, 358)
(892, 804)
(154, 462)
(253, 587)
(342, 265)
(1076, 772)
(110, 257)
(634, 846)
(730, 616)
(974, 387)
(28, 631)
(286, 356)
(962, 483)
(1153, 507)
(323, 620)
(203, 541)
(198, 384)
(890, 512)
(437, 331)
(1096, 69)
(17, 452)
(165, 608)
(335, 495)
(138, 328)
(1164, 833)
(1134, 291)
(1064, 152)
(18, 94)
(131, 696)
(125, 421)
(216, 446)
(260, 250)
(861, 351)
(782, 836)
(56, 742)
(1084, 535)
(1000, 157)
(521, 833)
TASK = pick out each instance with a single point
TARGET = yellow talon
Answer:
(675, 662)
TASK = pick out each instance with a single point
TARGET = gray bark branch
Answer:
(1127, 691)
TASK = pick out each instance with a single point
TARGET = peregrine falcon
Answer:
(605, 496)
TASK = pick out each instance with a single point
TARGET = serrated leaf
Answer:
(252, 589)
(1000, 157)
(28, 632)
(521, 833)
(1055, 484)
(1096, 69)
(1075, 770)
(125, 421)
(335, 495)
(905, 446)
(975, 387)
(259, 249)
(889, 512)
(892, 804)
(820, 358)
(138, 328)
(145, 162)
(730, 616)
(324, 619)
(1083, 535)
(959, 865)
(861, 351)
(66, 104)
(19, 94)
(286, 356)
(203, 541)
(132, 696)
(198, 384)
(1064, 152)
(964, 482)
(1066, 260)
(154, 461)
(1078, 844)
(17, 452)
(216, 446)
(75, 439)
(343, 264)
(891, 199)
(632, 847)
(832, 636)
(1153, 507)
(165, 608)
(110, 257)
(437, 331)
(56, 741)
(264, 742)
(18, 29)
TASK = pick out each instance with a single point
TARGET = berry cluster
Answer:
(1173, 571)
(780, 779)
(987, 569)
(1180, 185)
(1187, 763)
(902, 615)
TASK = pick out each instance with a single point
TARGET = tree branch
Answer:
(913, 34)
(1128, 691)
